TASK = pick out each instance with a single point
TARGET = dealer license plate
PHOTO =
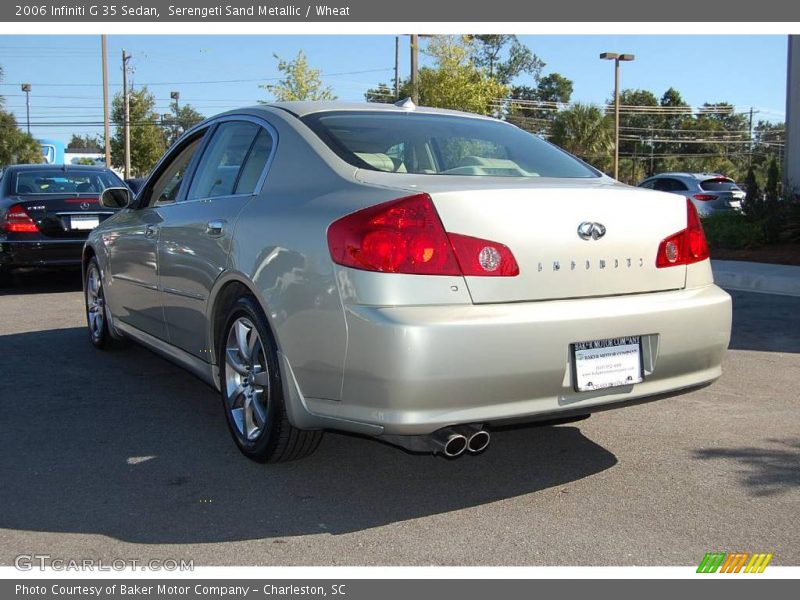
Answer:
(602, 364)
(84, 221)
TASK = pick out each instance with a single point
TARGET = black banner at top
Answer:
(711, 11)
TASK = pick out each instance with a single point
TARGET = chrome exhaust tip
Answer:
(479, 441)
(449, 442)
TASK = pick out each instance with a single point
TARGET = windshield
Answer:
(441, 145)
(57, 181)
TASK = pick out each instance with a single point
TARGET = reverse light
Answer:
(685, 247)
(17, 220)
(479, 257)
(407, 236)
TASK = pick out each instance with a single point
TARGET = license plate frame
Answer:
(83, 222)
(595, 358)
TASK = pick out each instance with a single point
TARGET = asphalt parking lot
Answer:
(122, 455)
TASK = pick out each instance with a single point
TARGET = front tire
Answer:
(95, 301)
(252, 391)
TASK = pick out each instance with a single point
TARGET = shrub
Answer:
(733, 231)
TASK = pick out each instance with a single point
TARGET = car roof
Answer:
(303, 108)
(690, 175)
(52, 167)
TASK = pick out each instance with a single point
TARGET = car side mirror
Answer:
(116, 197)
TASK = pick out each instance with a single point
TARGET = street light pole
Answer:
(617, 58)
(26, 87)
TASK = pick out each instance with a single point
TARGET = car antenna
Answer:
(406, 104)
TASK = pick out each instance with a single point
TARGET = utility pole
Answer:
(26, 87)
(750, 156)
(127, 115)
(397, 67)
(106, 114)
(415, 68)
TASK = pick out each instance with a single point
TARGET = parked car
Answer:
(413, 274)
(135, 184)
(47, 211)
(709, 192)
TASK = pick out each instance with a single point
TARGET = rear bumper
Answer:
(413, 370)
(40, 253)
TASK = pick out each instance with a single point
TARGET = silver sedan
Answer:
(412, 274)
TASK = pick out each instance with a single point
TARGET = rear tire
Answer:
(252, 390)
(96, 312)
(5, 277)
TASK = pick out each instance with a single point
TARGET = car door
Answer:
(195, 236)
(134, 293)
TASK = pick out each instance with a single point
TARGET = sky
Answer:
(218, 73)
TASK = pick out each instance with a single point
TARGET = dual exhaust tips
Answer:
(454, 441)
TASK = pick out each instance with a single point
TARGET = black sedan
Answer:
(47, 211)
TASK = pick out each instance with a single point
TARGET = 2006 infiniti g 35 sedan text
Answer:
(412, 274)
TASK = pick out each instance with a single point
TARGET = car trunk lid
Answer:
(64, 216)
(539, 221)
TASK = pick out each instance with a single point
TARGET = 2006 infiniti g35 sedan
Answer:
(412, 274)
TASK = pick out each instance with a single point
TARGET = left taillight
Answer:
(406, 236)
(17, 220)
(685, 247)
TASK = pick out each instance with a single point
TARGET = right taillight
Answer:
(17, 220)
(685, 247)
(705, 197)
(407, 236)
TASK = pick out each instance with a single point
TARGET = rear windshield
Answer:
(441, 145)
(53, 181)
(720, 184)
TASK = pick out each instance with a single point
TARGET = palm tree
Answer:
(584, 131)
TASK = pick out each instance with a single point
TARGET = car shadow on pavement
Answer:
(768, 470)
(765, 322)
(123, 443)
(38, 281)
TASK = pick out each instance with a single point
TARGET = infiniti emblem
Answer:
(85, 206)
(588, 230)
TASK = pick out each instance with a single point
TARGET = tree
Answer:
(16, 146)
(553, 88)
(771, 191)
(586, 132)
(148, 141)
(181, 120)
(504, 57)
(84, 142)
(300, 81)
(455, 81)
(382, 93)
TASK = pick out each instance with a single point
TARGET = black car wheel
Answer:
(94, 297)
(252, 392)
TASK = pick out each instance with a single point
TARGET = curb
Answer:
(757, 277)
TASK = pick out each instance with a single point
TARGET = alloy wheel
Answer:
(247, 379)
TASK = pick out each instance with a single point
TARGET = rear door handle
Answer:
(150, 231)
(215, 227)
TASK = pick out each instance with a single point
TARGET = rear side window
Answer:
(434, 144)
(719, 184)
(668, 184)
(254, 164)
(218, 171)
